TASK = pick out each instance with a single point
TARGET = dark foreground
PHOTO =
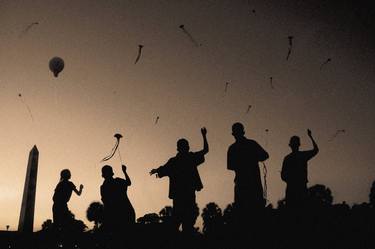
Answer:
(332, 226)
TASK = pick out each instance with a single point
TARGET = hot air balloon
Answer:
(56, 65)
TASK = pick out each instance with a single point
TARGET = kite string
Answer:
(28, 108)
(265, 173)
(119, 154)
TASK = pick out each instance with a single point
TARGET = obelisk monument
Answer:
(26, 221)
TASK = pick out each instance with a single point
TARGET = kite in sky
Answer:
(290, 38)
(113, 151)
(226, 87)
(27, 106)
(325, 63)
(156, 120)
(336, 134)
(248, 109)
(28, 28)
(271, 82)
(139, 53)
(191, 38)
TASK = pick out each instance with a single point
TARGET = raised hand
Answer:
(309, 132)
(80, 187)
(123, 167)
(204, 131)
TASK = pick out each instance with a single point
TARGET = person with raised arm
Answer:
(119, 213)
(294, 171)
(184, 181)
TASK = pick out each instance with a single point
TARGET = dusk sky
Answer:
(102, 92)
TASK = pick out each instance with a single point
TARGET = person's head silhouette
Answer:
(238, 130)
(294, 143)
(107, 172)
(183, 145)
(65, 174)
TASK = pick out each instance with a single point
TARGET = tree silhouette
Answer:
(152, 218)
(166, 214)
(212, 218)
(320, 196)
(95, 213)
(228, 214)
(372, 194)
(47, 225)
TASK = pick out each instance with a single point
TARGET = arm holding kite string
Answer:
(127, 178)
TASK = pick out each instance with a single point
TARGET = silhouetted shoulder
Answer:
(308, 154)
(121, 181)
(198, 157)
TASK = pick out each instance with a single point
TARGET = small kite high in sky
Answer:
(27, 106)
(336, 134)
(191, 38)
(271, 82)
(156, 120)
(226, 87)
(26, 30)
(248, 109)
(325, 63)
(139, 53)
(290, 39)
(118, 136)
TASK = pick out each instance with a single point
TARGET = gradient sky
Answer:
(101, 92)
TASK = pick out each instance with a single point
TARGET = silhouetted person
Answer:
(63, 191)
(243, 158)
(119, 213)
(184, 180)
(294, 171)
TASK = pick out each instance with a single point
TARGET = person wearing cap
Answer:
(294, 171)
(63, 191)
(184, 180)
(119, 213)
(243, 158)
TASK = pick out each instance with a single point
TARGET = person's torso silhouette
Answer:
(184, 181)
(63, 192)
(294, 172)
(243, 158)
(118, 210)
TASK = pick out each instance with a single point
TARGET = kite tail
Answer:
(28, 109)
(191, 38)
(112, 152)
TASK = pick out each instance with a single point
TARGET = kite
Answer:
(191, 38)
(226, 87)
(27, 106)
(336, 134)
(290, 38)
(325, 63)
(271, 82)
(117, 136)
(28, 28)
(248, 109)
(139, 53)
(156, 120)
(56, 65)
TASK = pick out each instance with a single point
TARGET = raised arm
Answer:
(127, 178)
(315, 149)
(205, 143)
